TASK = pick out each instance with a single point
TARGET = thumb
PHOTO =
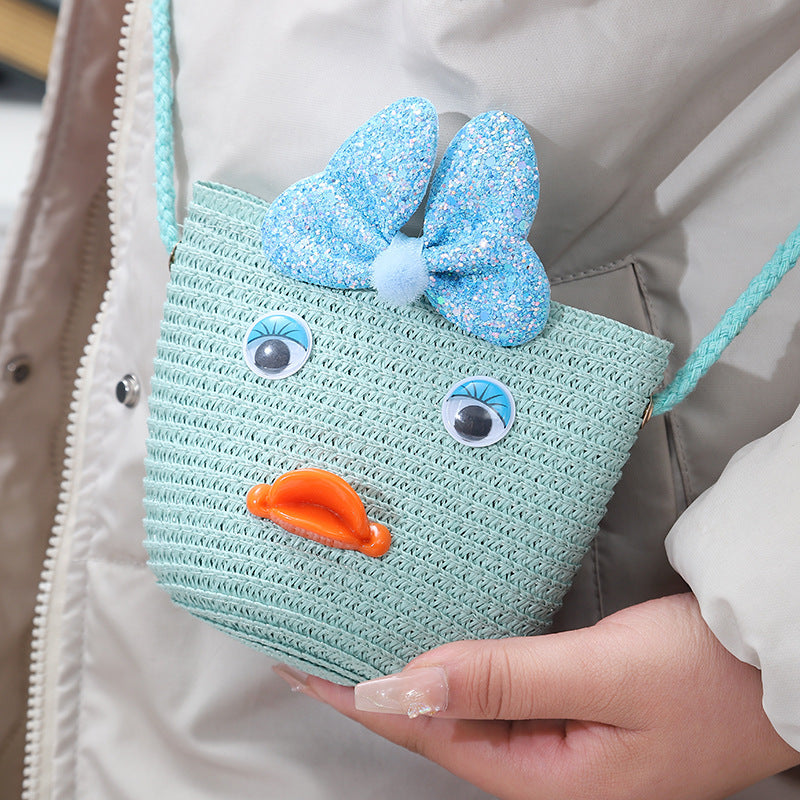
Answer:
(590, 674)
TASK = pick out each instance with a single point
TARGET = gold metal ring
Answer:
(648, 412)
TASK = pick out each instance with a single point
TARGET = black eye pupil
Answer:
(473, 422)
(272, 355)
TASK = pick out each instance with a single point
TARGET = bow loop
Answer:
(488, 279)
(329, 228)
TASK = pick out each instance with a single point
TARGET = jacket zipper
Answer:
(87, 295)
(36, 776)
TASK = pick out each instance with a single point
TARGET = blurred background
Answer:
(26, 37)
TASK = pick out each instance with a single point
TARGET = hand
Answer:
(645, 704)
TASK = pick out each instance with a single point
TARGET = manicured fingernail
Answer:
(297, 680)
(415, 691)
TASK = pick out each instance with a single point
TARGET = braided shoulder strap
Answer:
(163, 99)
(732, 322)
(685, 380)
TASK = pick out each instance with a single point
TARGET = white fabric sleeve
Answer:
(738, 548)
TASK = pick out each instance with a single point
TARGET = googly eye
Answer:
(478, 411)
(277, 344)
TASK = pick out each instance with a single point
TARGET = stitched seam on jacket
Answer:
(598, 594)
(613, 266)
(675, 441)
(117, 562)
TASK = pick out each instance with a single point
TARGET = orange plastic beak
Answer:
(319, 505)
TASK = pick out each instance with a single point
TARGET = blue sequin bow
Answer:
(341, 228)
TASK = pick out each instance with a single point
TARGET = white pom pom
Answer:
(399, 273)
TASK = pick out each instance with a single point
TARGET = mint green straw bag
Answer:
(259, 375)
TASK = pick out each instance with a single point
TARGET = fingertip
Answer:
(295, 678)
(339, 697)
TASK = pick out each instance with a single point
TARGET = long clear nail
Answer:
(415, 691)
(297, 680)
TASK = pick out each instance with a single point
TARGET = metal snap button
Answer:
(127, 391)
(18, 369)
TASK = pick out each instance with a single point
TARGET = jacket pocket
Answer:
(626, 563)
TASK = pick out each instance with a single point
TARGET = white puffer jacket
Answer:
(668, 138)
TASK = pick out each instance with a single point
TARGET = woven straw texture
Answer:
(485, 540)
